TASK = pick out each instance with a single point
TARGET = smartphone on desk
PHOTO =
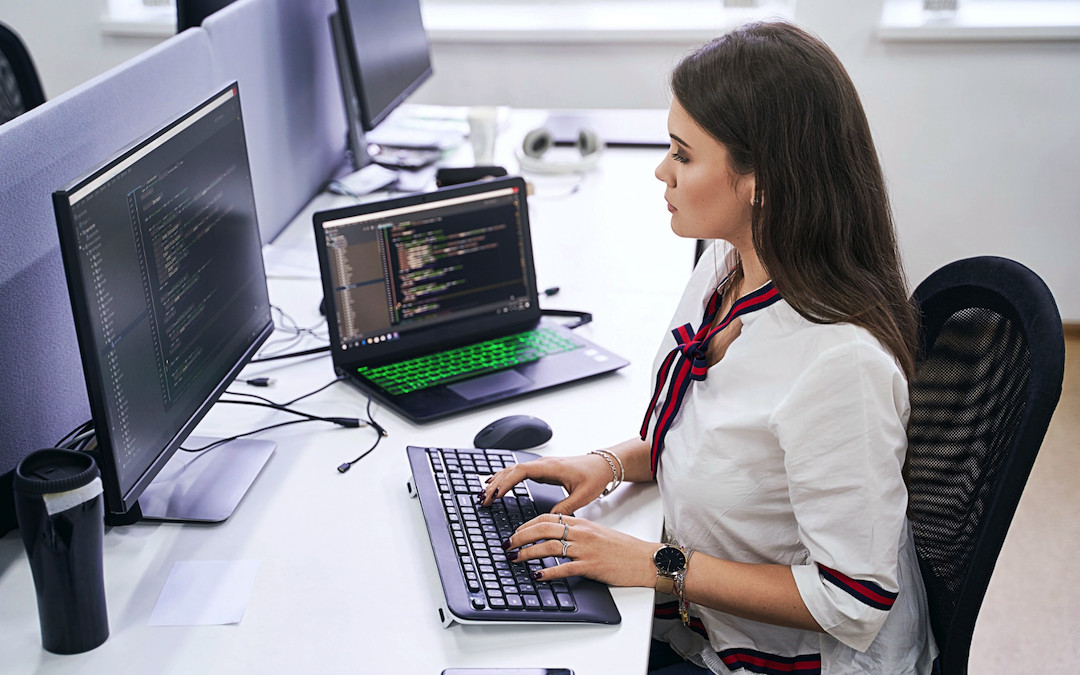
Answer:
(508, 671)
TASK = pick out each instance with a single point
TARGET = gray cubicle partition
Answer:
(278, 50)
(42, 393)
(280, 53)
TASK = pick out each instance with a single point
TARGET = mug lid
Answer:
(54, 470)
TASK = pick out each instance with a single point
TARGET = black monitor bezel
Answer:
(449, 335)
(117, 501)
(366, 120)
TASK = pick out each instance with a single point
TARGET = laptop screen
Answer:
(418, 270)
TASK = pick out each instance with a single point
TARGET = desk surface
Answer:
(347, 582)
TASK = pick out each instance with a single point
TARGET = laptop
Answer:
(432, 305)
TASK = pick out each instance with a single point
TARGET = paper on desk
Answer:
(205, 593)
(291, 263)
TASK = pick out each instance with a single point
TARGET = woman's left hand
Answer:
(595, 551)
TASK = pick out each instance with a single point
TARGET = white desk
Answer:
(347, 582)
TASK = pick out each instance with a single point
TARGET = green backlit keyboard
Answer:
(464, 362)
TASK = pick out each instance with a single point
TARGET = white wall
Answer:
(65, 40)
(980, 141)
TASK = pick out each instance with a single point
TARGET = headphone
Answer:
(530, 155)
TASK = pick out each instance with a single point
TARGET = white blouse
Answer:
(790, 452)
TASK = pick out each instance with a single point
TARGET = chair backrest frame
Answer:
(1012, 290)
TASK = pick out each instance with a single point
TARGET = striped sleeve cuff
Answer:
(851, 610)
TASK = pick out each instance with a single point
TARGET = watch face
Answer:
(669, 560)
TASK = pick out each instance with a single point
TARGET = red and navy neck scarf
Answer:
(689, 359)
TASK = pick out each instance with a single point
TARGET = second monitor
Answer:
(383, 56)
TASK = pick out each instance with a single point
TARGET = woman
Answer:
(776, 428)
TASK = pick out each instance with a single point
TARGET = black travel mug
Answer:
(61, 514)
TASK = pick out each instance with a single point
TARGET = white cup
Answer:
(482, 134)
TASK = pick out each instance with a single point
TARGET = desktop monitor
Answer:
(383, 56)
(191, 13)
(163, 259)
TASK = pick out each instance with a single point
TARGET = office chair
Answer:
(699, 247)
(992, 360)
(20, 88)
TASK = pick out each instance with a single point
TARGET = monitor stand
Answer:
(205, 487)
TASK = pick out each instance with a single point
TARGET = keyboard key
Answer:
(547, 598)
(497, 603)
(514, 601)
(478, 603)
(565, 601)
(531, 601)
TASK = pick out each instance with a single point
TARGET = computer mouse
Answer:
(517, 432)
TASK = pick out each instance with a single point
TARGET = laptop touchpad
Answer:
(489, 385)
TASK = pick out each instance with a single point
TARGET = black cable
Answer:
(348, 465)
(306, 352)
(69, 436)
(382, 432)
(249, 433)
(348, 422)
(260, 381)
(582, 317)
(337, 379)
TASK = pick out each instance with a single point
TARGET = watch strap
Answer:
(665, 584)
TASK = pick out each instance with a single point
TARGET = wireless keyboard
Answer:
(479, 583)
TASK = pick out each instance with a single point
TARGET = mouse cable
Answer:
(382, 432)
(337, 379)
(348, 422)
(582, 317)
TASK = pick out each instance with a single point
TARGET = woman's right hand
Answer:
(584, 478)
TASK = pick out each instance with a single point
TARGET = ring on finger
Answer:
(565, 532)
(560, 519)
(565, 545)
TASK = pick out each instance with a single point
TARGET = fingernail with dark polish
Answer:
(537, 574)
(489, 479)
(512, 556)
(506, 544)
(496, 495)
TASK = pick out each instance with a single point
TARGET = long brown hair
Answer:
(784, 108)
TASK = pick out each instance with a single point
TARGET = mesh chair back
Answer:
(989, 377)
(20, 88)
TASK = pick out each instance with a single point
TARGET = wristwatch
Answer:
(670, 561)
